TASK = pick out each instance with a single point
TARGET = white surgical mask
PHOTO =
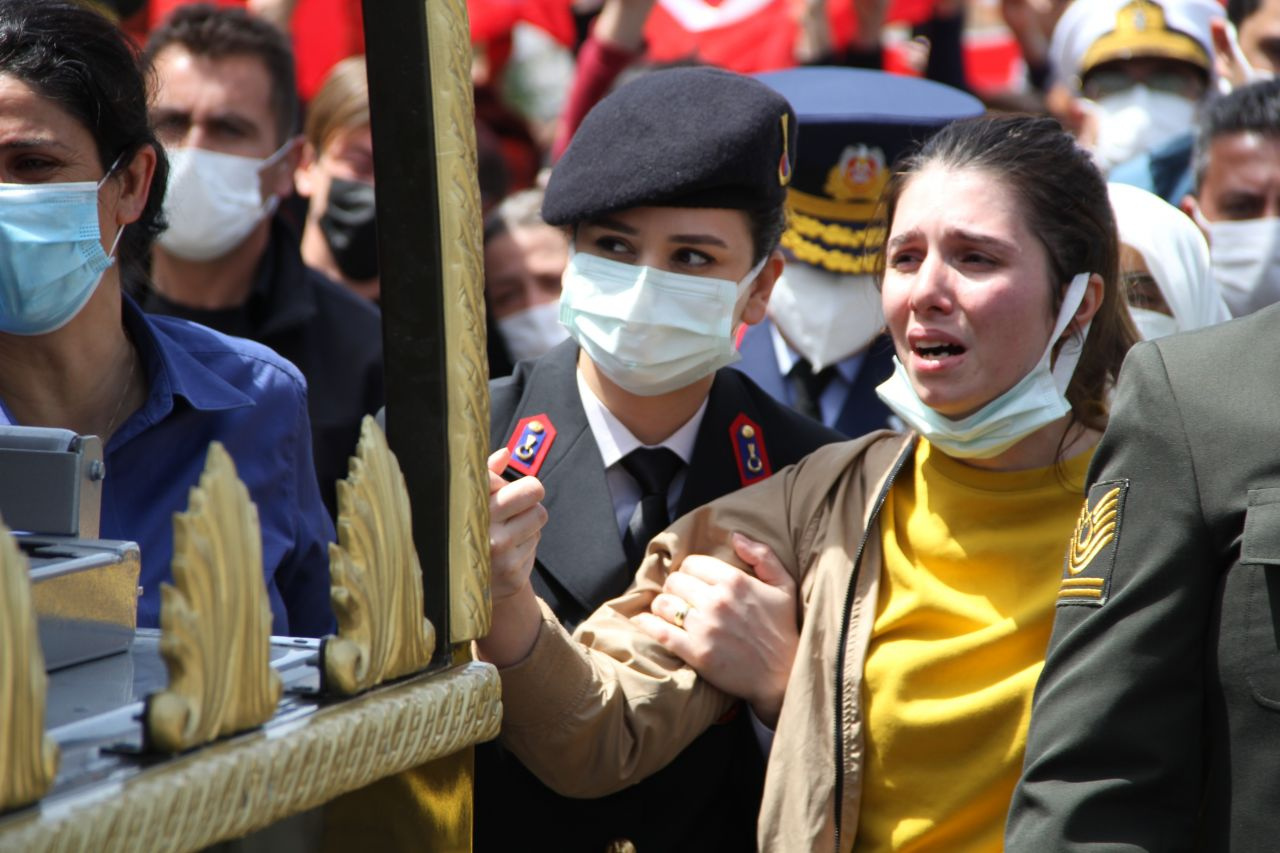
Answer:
(1138, 120)
(1245, 257)
(825, 316)
(1152, 324)
(1038, 399)
(213, 201)
(531, 332)
(649, 330)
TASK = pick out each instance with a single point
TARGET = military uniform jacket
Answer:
(708, 796)
(1157, 717)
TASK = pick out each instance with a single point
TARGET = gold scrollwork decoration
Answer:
(452, 105)
(215, 618)
(376, 577)
(28, 759)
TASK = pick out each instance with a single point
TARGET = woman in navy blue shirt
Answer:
(81, 183)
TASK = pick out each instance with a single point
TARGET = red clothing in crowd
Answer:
(324, 33)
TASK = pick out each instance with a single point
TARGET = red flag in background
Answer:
(493, 20)
(750, 35)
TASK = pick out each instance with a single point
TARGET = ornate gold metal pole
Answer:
(28, 759)
(430, 262)
(429, 252)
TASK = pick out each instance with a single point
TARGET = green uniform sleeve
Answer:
(1114, 751)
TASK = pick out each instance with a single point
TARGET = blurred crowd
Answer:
(805, 332)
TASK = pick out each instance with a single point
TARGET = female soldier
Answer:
(673, 193)
(82, 178)
(927, 564)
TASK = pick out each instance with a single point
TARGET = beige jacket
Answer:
(594, 715)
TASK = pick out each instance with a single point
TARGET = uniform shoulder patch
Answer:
(1091, 556)
(749, 451)
(529, 443)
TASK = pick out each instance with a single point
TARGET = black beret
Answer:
(683, 137)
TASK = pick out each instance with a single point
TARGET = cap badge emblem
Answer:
(860, 174)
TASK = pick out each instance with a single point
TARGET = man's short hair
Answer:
(518, 210)
(1250, 109)
(218, 32)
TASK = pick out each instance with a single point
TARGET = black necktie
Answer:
(807, 387)
(653, 468)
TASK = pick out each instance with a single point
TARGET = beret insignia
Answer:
(784, 164)
(1091, 555)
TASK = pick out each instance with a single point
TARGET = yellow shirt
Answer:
(972, 565)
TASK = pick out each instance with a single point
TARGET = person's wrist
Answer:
(767, 703)
(513, 596)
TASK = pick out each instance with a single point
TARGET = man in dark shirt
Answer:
(226, 107)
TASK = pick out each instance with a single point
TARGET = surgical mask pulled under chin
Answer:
(533, 331)
(825, 316)
(213, 201)
(51, 255)
(1136, 121)
(1038, 399)
(1245, 258)
(649, 330)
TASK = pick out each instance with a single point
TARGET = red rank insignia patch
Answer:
(530, 442)
(748, 450)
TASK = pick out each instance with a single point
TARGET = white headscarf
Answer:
(1176, 254)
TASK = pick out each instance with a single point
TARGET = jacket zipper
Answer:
(844, 633)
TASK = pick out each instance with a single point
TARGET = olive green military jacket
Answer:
(593, 713)
(1156, 724)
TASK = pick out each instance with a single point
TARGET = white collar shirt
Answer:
(837, 391)
(615, 441)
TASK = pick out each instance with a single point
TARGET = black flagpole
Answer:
(409, 264)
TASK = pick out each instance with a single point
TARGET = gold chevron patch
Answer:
(1094, 531)
(1091, 554)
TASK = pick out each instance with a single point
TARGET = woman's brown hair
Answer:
(341, 104)
(1064, 198)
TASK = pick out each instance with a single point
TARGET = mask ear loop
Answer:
(111, 253)
(1069, 356)
(272, 202)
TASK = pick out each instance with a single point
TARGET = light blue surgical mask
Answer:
(649, 330)
(51, 256)
(1038, 399)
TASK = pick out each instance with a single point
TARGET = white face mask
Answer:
(649, 330)
(1138, 120)
(1245, 257)
(213, 201)
(1038, 399)
(531, 332)
(825, 316)
(1152, 324)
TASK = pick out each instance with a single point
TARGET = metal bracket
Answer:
(51, 481)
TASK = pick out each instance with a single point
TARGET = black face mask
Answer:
(349, 227)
